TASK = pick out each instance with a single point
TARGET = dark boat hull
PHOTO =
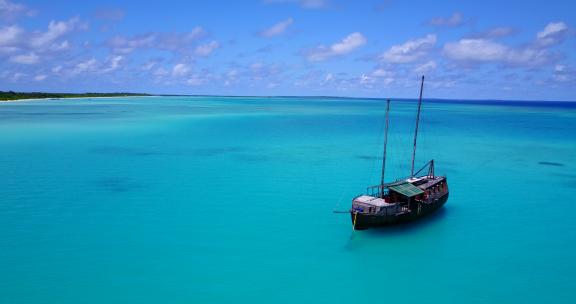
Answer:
(364, 221)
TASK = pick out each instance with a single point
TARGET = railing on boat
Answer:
(382, 189)
(396, 210)
(377, 191)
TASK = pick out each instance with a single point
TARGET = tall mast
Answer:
(385, 144)
(417, 123)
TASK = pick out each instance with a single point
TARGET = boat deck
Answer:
(371, 200)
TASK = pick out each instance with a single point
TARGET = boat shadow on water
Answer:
(404, 227)
(397, 230)
(407, 227)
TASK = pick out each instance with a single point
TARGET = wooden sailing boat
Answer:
(405, 199)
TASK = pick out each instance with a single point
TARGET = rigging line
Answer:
(385, 144)
(367, 176)
(429, 132)
(400, 140)
(417, 122)
(396, 140)
(381, 137)
(423, 140)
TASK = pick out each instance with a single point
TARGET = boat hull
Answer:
(362, 221)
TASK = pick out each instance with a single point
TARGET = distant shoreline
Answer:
(35, 96)
(68, 98)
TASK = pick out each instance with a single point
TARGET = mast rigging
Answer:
(385, 144)
(417, 123)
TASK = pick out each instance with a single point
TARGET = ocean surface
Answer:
(231, 200)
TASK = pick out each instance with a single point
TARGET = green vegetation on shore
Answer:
(34, 95)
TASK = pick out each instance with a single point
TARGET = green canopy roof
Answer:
(406, 189)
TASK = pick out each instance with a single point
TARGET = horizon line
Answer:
(301, 96)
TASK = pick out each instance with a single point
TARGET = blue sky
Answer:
(522, 50)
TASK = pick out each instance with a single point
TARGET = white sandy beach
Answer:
(65, 98)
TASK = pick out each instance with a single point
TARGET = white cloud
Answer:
(371, 81)
(231, 77)
(261, 73)
(553, 33)
(174, 42)
(366, 80)
(159, 72)
(232, 73)
(409, 51)
(206, 49)
(113, 63)
(10, 35)
(383, 76)
(58, 47)
(425, 68)
(56, 29)
(8, 50)
(195, 81)
(388, 80)
(551, 29)
(345, 46)
(179, 42)
(10, 10)
(40, 77)
(564, 74)
(476, 50)
(277, 28)
(90, 65)
(57, 69)
(496, 32)
(180, 69)
(256, 66)
(382, 73)
(123, 45)
(14, 77)
(455, 20)
(349, 43)
(30, 58)
(309, 4)
(483, 50)
(149, 65)
(14, 39)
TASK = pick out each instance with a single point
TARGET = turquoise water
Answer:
(219, 200)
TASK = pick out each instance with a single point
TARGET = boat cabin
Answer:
(401, 196)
